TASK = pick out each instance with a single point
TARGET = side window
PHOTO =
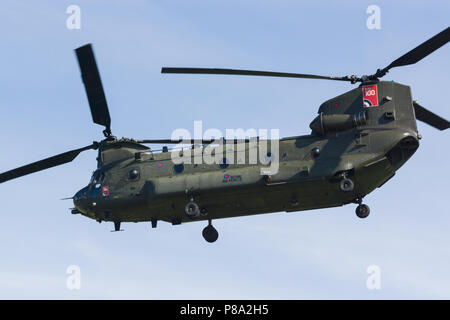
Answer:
(133, 175)
(178, 168)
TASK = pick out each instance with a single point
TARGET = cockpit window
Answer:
(92, 180)
(97, 178)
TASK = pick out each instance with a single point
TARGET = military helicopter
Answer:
(357, 142)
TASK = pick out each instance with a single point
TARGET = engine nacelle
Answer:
(325, 123)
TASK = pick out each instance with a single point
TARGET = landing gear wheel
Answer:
(210, 233)
(346, 185)
(362, 211)
(192, 210)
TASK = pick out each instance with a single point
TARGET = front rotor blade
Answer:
(250, 73)
(430, 118)
(421, 51)
(44, 164)
(93, 86)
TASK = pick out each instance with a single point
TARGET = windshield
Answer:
(97, 178)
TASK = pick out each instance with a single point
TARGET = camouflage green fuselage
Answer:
(369, 154)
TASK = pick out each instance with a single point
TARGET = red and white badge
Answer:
(370, 96)
(105, 191)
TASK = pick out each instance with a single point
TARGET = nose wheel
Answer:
(210, 233)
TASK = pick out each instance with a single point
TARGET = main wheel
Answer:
(192, 210)
(346, 185)
(362, 211)
(210, 233)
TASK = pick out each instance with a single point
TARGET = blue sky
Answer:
(304, 255)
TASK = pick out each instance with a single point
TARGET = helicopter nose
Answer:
(80, 200)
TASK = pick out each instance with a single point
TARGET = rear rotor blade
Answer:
(419, 52)
(430, 118)
(44, 164)
(250, 73)
(94, 87)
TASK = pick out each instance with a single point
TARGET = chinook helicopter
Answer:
(357, 142)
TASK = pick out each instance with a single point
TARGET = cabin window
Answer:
(178, 168)
(133, 174)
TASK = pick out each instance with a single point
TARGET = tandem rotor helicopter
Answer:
(357, 142)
